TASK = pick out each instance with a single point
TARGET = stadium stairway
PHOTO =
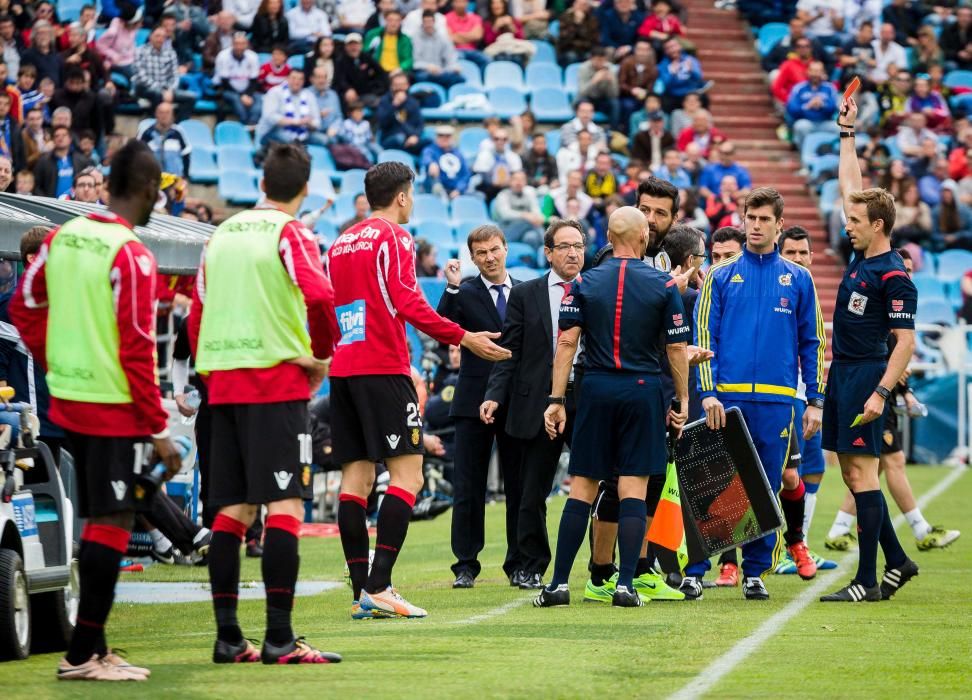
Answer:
(743, 110)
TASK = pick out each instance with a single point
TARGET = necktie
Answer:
(500, 301)
(563, 295)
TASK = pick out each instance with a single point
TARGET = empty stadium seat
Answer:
(470, 71)
(929, 287)
(525, 274)
(467, 114)
(828, 195)
(427, 206)
(952, 264)
(343, 208)
(521, 255)
(553, 141)
(958, 78)
(423, 88)
(198, 132)
(352, 181)
(438, 232)
(321, 159)
(326, 229)
(296, 61)
(238, 187)
(546, 53)
(822, 164)
(770, 35)
(320, 184)
(937, 311)
(202, 165)
(393, 154)
(238, 158)
(312, 202)
(469, 140)
(468, 208)
(570, 78)
(812, 142)
(504, 74)
(551, 105)
(507, 102)
(433, 289)
(232, 134)
(544, 75)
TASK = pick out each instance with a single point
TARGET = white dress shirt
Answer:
(507, 285)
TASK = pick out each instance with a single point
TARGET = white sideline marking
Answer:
(722, 666)
(495, 612)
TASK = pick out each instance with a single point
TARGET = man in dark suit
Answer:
(479, 304)
(520, 386)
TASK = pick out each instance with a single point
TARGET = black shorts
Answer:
(848, 388)
(260, 453)
(374, 417)
(105, 472)
(891, 437)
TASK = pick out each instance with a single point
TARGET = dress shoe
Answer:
(464, 580)
(531, 582)
(516, 578)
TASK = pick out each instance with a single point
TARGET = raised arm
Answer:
(850, 168)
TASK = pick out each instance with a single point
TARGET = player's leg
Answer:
(648, 581)
(604, 534)
(632, 525)
(357, 480)
(570, 536)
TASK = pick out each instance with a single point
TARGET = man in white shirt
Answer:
(517, 210)
(572, 189)
(235, 76)
(583, 121)
(887, 52)
(307, 24)
(412, 24)
(496, 162)
(353, 15)
(580, 155)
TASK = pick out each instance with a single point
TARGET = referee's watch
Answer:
(816, 403)
(882, 392)
(562, 400)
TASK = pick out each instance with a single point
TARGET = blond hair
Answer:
(880, 205)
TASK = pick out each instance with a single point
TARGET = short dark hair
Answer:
(598, 51)
(59, 127)
(763, 196)
(32, 240)
(428, 13)
(6, 18)
(286, 171)
(423, 247)
(551, 232)
(729, 233)
(484, 233)
(796, 233)
(904, 253)
(655, 187)
(132, 167)
(681, 242)
(384, 181)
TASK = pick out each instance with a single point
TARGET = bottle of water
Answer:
(193, 401)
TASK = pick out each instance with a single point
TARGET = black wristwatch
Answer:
(562, 400)
(816, 403)
(882, 392)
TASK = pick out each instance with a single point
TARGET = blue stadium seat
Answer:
(321, 159)
(467, 114)
(525, 274)
(469, 140)
(343, 208)
(546, 53)
(958, 78)
(141, 36)
(470, 71)
(239, 158)
(504, 74)
(553, 141)
(427, 206)
(202, 165)
(828, 195)
(424, 89)
(296, 61)
(433, 289)
(352, 181)
(320, 184)
(465, 225)
(929, 287)
(952, 264)
(415, 345)
(312, 202)
(393, 154)
(238, 187)
(570, 78)
(544, 75)
(198, 132)
(770, 35)
(935, 311)
(507, 102)
(437, 232)
(232, 134)
(554, 28)
(326, 229)
(264, 57)
(468, 208)
(821, 164)
(812, 142)
(551, 105)
(521, 255)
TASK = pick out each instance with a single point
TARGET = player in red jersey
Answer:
(374, 407)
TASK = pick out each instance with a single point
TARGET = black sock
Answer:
(102, 548)
(224, 575)
(573, 525)
(894, 554)
(870, 513)
(793, 505)
(393, 518)
(280, 565)
(729, 557)
(643, 566)
(601, 573)
(631, 535)
(352, 517)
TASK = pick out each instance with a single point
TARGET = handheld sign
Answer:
(852, 87)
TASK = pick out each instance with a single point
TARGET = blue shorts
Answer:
(620, 427)
(811, 454)
(848, 388)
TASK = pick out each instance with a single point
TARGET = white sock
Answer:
(200, 535)
(809, 503)
(919, 526)
(842, 524)
(159, 541)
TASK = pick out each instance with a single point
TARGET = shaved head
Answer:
(626, 231)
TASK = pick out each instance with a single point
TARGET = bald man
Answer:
(621, 307)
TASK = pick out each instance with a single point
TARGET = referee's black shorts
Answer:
(849, 385)
(891, 437)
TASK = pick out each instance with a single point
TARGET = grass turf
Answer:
(490, 642)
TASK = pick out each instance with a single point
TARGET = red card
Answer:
(852, 87)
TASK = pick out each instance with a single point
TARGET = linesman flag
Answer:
(667, 529)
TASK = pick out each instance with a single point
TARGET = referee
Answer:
(622, 306)
(876, 298)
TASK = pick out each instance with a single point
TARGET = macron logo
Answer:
(393, 440)
(283, 479)
(120, 487)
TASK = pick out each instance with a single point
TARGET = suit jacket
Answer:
(472, 308)
(522, 384)
(45, 172)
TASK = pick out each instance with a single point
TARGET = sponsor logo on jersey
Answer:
(857, 304)
(677, 319)
(351, 319)
(786, 279)
(859, 442)
(144, 264)
(415, 437)
(897, 304)
(784, 307)
(737, 278)
(406, 242)
(567, 300)
(283, 479)
(393, 440)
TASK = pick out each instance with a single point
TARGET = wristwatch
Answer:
(562, 400)
(816, 403)
(882, 392)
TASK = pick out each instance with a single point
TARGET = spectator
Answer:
(579, 33)
(598, 84)
(824, 19)
(929, 103)
(85, 187)
(896, 179)
(639, 121)
(322, 55)
(353, 15)
(43, 52)
(887, 53)
(46, 94)
(290, 113)
(55, 170)
(328, 102)
(690, 213)
(714, 173)
(36, 138)
(619, 27)
(236, 78)
(517, 211)
(24, 182)
(927, 52)
(539, 166)
(157, 76)
(722, 209)
(466, 32)
(220, 39)
(600, 182)
(361, 212)
(579, 155)
(932, 175)
(684, 115)
(182, 32)
(637, 74)
(913, 221)
(906, 18)
(412, 24)
(500, 23)
(16, 106)
(672, 171)
(701, 133)
(244, 11)
(168, 141)
(812, 105)
(680, 73)
(434, 57)
(9, 48)
(357, 76)
(956, 39)
(377, 18)
(582, 121)
(85, 108)
(892, 98)
(793, 71)
(425, 259)
(399, 118)
(496, 162)
(572, 189)
(857, 57)
(952, 220)
(661, 25)
(533, 15)
(307, 23)
(275, 71)
(270, 27)
(388, 46)
(446, 171)
(11, 143)
(356, 131)
(912, 133)
(79, 53)
(785, 47)
(649, 146)
(6, 174)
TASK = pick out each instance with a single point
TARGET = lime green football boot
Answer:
(600, 594)
(652, 586)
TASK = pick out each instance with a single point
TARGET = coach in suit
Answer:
(521, 386)
(479, 304)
